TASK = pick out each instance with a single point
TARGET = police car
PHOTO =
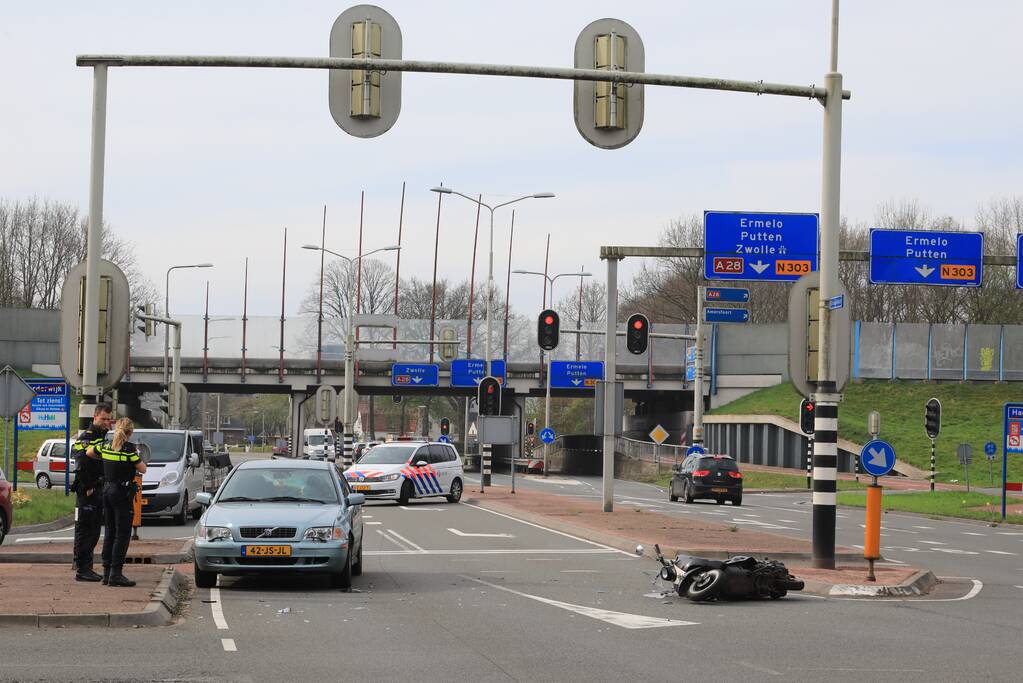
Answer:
(402, 470)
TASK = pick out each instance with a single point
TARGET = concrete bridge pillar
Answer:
(297, 422)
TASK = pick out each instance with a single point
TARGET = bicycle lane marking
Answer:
(217, 608)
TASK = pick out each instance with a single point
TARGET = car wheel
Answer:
(357, 565)
(720, 500)
(197, 512)
(687, 492)
(456, 491)
(706, 585)
(737, 501)
(406, 493)
(671, 492)
(179, 518)
(203, 579)
(43, 481)
(343, 579)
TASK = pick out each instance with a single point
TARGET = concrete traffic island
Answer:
(628, 526)
(46, 595)
(144, 552)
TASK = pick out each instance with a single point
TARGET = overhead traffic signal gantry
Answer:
(489, 396)
(637, 335)
(548, 330)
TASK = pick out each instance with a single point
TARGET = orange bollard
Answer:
(872, 529)
(136, 504)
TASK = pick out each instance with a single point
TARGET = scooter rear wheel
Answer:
(706, 585)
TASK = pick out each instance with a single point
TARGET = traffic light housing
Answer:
(445, 426)
(489, 397)
(807, 412)
(932, 418)
(148, 327)
(530, 428)
(548, 329)
(637, 334)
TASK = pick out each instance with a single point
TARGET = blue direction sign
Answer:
(691, 354)
(727, 294)
(576, 375)
(877, 458)
(725, 315)
(1019, 263)
(990, 450)
(49, 408)
(414, 375)
(469, 372)
(759, 246)
(547, 435)
(690, 373)
(926, 257)
(695, 450)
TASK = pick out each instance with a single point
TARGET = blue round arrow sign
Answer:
(443, 438)
(877, 458)
(990, 448)
(696, 450)
(547, 435)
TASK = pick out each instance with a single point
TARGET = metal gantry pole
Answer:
(346, 407)
(698, 380)
(490, 291)
(610, 384)
(825, 461)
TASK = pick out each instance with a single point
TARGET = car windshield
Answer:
(316, 440)
(279, 484)
(387, 454)
(163, 446)
(718, 465)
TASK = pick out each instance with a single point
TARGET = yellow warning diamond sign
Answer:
(659, 435)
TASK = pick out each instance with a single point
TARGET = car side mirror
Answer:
(421, 463)
(193, 460)
(204, 498)
(356, 499)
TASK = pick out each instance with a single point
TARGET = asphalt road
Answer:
(454, 592)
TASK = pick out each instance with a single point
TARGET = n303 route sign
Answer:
(926, 257)
(759, 246)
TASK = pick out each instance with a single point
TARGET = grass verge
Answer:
(939, 504)
(38, 506)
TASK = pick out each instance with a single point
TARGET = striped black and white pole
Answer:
(809, 463)
(349, 450)
(932, 464)
(485, 467)
(825, 474)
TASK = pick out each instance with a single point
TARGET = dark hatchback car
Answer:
(716, 477)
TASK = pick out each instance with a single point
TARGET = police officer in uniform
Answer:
(88, 489)
(120, 463)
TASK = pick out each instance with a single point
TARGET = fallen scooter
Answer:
(737, 578)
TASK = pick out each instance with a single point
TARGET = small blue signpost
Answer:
(576, 374)
(547, 435)
(926, 257)
(725, 315)
(415, 375)
(877, 458)
(836, 302)
(467, 372)
(690, 373)
(990, 450)
(759, 246)
(732, 295)
(695, 450)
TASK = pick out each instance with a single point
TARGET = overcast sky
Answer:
(210, 165)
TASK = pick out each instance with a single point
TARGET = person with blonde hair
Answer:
(120, 463)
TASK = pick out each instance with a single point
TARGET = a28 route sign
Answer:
(759, 246)
(735, 295)
(926, 257)
(415, 375)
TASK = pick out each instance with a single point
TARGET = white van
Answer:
(174, 473)
(319, 443)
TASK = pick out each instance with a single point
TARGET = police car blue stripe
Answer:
(415, 482)
(436, 482)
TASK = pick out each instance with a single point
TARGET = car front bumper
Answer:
(378, 490)
(161, 504)
(225, 557)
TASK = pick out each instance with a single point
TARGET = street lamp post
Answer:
(490, 267)
(549, 354)
(166, 311)
(346, 405)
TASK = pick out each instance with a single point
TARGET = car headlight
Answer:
(392, 477)
(169, 478)
(323, 533)
(213, 533)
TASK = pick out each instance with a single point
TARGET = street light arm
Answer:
(512, 201)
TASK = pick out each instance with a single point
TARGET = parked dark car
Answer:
(6, 507)
(716, 477)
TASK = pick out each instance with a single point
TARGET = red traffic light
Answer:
(809, 407)
(490, 388)
(549, 320)
(638, 324)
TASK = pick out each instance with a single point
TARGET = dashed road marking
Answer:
(932, 542)
(466, 534)
(999, 552)
(923, 527)
(372, 523)
(417, 508)
(218, 609)
(228, 644)
(580, 571)
(973, 533)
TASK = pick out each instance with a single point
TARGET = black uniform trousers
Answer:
(87, 525)
(117, 515)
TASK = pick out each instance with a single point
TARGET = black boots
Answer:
(87, 575)
(106, 575)
(119, 580)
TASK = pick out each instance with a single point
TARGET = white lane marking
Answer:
(622, 619)
(761, 669)
(954, 551)
(629, 501)
(367, 516)
(228, 644)
(553, 531)
(1017, 586)
(1010, 533)
(404, 548)
(464, 534)
(788, 521)
(580, 571)
(999, 552)
(417, 508)
(405, 540)
(218, 609)
(973, 533)
(499, 571)
(762, 525)
(750, 515)
(932, 542)
(42, 539)
(372, 523)
(531, 551)
(922, 527)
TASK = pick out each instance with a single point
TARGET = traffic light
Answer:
(932, 418)
(445, 426)
(489, 397)
(148, 326)
(807, 412)
(530, 428)
(548, 328)
(637, 335)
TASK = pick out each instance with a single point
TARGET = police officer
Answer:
(120, 463)
(88, 489)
